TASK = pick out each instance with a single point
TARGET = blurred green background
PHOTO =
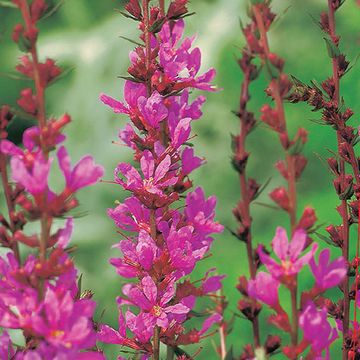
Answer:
(84, 36)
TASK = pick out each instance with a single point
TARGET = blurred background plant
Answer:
(85, 37)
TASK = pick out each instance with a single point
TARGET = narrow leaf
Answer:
(131, 41)
(53, 10)
(8, 4)
(332, 49)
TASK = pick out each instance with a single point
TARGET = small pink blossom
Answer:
(84, 173)
(328, 274)
(288, 253)
(317, 330)
(264, 288)
(33, 178)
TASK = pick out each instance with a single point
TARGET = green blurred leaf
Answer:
(8, 4)
(332, 49)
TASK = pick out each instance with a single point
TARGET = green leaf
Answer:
(53, 10)
(230, 354)
(62, 75)
(324, 238)
(126, 15)
(130, 78)
(332, 49)
(8, 4)
(156, 26)
(262, 188)
(131, 41)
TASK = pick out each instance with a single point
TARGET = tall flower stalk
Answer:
(249, 188)
(263, 286)
(167, 237)
(39, 291)
(328, 100)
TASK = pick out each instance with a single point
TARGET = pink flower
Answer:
(288, 253)
(264, 288)
(6, 347)
(179, 131)
(328, 274)
(179, 62)
(132, 92)
(64, 235)
(180, 108)
(154, 305)
(200, 213)
(137, 258)
(156, 179)
(153, 109)
(209, 322)
(213, 283)
(131, 215)
(65, 323)
(33, 178)
(110, 336)
(317, 330)
(84, 173)
(189, 161)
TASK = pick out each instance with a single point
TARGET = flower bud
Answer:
(281, 198)
(272, 343)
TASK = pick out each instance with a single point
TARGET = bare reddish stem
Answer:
(344, 205)
(41, 117)
(244, 97)
(162, 7)
(291, 180)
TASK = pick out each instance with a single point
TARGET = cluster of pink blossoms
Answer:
(39, 291)
(166, 241)
(313, 317)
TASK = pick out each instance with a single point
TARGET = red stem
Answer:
(244, 97)
(279, 107)
(344, 205)
(41, 117)
(162, 7)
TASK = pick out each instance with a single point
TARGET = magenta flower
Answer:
(153, 109)
(317, 330)
(209, 322)
(155, 179)
(328, 274)
(154, 305)
(288, 253)
(189, 161)
(264, 288)
(110, 336)
(131, 215)
(137, 257)
(65, 323)
(132, 92)
(213, 283)
(200, 213)
(6, 347)
(64, 235)
(179, 131)
(33, 178)
(84, 173)
(180, 107)
(180, 62)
